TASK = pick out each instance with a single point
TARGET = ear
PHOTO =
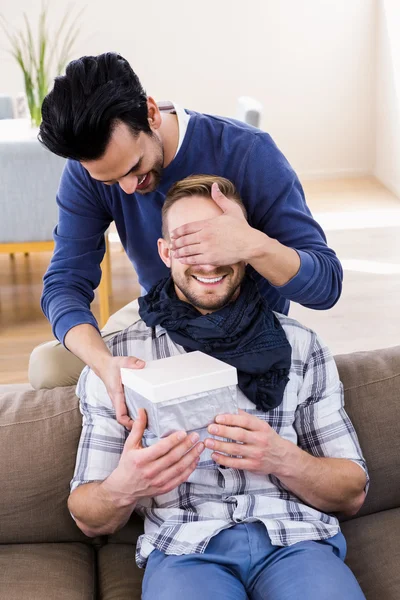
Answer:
(164, 251)
(153, 113)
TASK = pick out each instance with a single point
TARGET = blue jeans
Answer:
(240, 563)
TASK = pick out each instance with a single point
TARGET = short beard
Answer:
(158, 168)
(216, 303)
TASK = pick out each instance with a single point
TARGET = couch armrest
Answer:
(39, 434)
(371, 383)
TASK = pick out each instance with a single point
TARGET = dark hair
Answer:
(81, 112)
(197, 185)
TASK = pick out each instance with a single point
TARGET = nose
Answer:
(128, 184)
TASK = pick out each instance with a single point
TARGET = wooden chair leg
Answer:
(108, 259)
(103, 292)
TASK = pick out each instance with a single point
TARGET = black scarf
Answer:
(245, 334)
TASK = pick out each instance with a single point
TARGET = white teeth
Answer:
(140, 181)
(208, 280)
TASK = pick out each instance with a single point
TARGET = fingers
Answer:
(226, 204)
(234, 433)
(175, 455)
(179, 469)
(162, 447)
(131, 362)
(185, 240)
(121, 412)
(125, 421)
(229, 447)
(138, 426)
(173, 483)
(243, 419)
(216, 193)
(187, 229)
(232, 463)
(197, 259)
(191, 250)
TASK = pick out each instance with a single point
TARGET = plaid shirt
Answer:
(215, 498)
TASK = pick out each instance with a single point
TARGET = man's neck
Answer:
(169, 132)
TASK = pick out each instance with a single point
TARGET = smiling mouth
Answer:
(143, 181)
(209, 280)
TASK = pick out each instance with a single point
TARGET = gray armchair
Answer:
(29, 179)
(6, 107)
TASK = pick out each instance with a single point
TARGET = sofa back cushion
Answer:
(372, 397)
(39, 434)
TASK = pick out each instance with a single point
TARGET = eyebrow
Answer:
(135, 166)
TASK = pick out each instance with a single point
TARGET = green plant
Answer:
(46, 58)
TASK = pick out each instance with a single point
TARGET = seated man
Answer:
(222, 519)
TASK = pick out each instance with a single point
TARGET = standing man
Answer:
(125, 152)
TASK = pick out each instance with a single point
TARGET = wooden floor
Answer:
(362, 222)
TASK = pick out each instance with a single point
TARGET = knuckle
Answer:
(180, 468)
(257, 455)
(160, 484)
(189, 443)
(239, 434)
(147, 476)
(135, 461)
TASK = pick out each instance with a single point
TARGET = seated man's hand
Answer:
(156, 470)
(109, 372)
(260, 450)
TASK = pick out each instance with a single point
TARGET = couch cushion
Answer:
(373, 553)
(47, 572)
(39, 433)
(372, 396)
(118, 576)
(130, 533)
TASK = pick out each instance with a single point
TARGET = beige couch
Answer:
(44, 556)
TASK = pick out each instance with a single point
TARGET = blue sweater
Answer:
(212, 145)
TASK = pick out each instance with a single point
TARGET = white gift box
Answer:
(186, 391)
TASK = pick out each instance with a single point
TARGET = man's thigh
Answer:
(189, 577)
(305, 571)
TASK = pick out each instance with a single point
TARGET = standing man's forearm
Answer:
(274, 261)
(87, 344)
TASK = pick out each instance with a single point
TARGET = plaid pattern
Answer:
(214, 498)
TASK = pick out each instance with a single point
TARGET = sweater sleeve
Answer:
(277, 206)
(74, 272)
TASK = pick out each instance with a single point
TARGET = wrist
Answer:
(101, 360)
(115, 492)
(260, 245)
(293, 461)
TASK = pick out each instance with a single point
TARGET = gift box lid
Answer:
(178, 376)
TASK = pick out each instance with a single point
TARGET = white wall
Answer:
(310, 63)
(387, 166)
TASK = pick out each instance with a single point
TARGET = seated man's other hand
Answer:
(156, 470)
(109, 372)
(260, 449)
